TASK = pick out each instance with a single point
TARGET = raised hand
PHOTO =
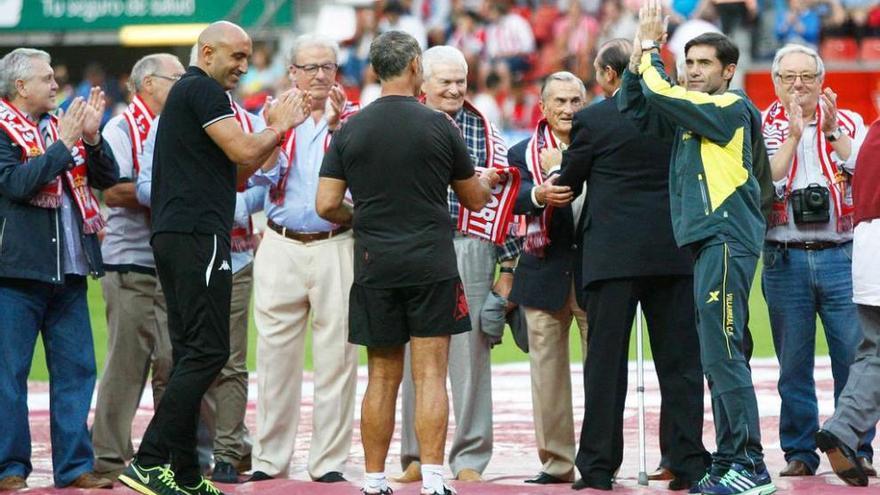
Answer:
(335, 106)
(93, 112)
(828, 104)
(652, 24)
(70, 123)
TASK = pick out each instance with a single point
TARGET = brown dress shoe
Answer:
(867, 467)
(91, 481)
(661, 474)
(468, 474)
(796, 468)
(412, 473)
(10, 483)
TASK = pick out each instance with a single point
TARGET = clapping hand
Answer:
(335, 106)
(796, 118)
(289, 110)
(828, 103)
(70, 123)
(93, 112)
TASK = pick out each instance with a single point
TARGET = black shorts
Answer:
(389, 317)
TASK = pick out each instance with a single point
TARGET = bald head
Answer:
(223, 52)
(221, 32)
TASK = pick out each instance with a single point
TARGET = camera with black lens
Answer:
(810, 204)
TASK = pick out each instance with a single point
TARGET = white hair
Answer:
(443, 54)
(308, 40)
(563, 76)
(15, 66)
(795, 48)
(147, 66)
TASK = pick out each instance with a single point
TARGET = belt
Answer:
(807, 246)
(305, 237)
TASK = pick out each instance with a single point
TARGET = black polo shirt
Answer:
(398, 158)
(193, 187)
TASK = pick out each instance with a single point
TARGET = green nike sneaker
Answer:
(157, 480)
(205, 487)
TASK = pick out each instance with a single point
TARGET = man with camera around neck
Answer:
(808, 251)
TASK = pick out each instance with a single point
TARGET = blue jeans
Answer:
(61, 314)
(799, 284)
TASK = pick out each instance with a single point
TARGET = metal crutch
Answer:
(640, 392)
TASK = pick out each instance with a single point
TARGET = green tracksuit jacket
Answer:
(713, 191)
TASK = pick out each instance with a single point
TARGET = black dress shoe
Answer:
(595, 484)
(545, 479)
(224, 472)
(843, 459)
(796, 468)
(677, 483)
(260, 476)
(331, 477)
(867, 467)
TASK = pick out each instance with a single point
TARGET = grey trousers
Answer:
(858, 407)
(224, 405)
(138, 343)
(470, 376)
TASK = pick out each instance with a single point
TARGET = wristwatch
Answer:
(833, 135)
(650, 45)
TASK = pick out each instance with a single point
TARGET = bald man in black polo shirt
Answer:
(201, 154)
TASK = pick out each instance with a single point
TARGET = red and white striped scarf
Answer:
(538, 226)
(277, 192)
(27, 135)
(775, 131)
(242, 238)
(140, 120)
(493, 222)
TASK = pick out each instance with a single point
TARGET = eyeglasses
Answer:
(806, 77)
(312, 69)
(174, 78)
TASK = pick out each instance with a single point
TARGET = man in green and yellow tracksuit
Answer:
(715, 202)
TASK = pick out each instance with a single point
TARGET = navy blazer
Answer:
(627, 226)
(543, 283)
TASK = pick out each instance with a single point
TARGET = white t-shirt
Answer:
(866, 263)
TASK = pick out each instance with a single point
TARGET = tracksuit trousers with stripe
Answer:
(723, 273)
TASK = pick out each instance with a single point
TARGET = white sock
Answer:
(375, 482)
(432, 479)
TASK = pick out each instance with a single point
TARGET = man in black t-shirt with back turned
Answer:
(398, 157)
(201, 154)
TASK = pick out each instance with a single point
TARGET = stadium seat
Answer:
(870, 49)
(839, 49)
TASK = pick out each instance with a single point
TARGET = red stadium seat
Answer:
(870, 49)
(839, 49)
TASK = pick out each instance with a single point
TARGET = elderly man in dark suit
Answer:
(544, 284)
(630, 256)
